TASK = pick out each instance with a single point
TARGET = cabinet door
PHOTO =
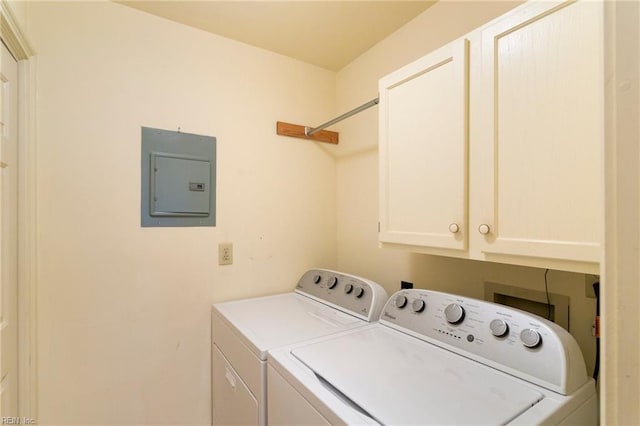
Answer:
(541, 146)
(423, 151)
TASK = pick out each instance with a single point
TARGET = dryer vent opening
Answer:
(533, 301)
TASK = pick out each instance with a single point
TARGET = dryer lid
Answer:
(398, 379)
(274, 321)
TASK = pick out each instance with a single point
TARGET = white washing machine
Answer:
(323, 302)
(435, 359)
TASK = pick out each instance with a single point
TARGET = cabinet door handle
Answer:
(454, 228)
(484, 229)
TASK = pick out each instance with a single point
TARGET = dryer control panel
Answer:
(514, 341)
(351, 294)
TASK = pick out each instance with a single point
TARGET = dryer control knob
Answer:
(359, 292)
(454, 313)
(418, 305)
(530, 338)
(499, 328)
(400, 301)
(317, 278)
(348, 288)
(333, 281)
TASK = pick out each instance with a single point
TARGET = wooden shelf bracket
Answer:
(297, 131)
(318, 133)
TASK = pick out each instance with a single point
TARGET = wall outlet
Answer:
(225, 253)
(588, 285)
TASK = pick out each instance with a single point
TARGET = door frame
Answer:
(619, 315)
(16, 42)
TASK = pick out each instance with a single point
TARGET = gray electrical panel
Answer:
(178, 179)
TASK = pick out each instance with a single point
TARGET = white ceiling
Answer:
(326, 33)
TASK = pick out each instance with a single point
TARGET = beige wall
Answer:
(18, 10)
(123, 311)
(357, 179)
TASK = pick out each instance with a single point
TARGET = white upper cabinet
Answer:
(543, 91)
(423, 151)
(521, 137)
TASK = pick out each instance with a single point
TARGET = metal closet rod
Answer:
(308, 131)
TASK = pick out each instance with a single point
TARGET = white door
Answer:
(542, 141)
(423, 151)
(8, 235)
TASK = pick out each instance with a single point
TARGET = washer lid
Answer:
(398, 379)
(273, 321)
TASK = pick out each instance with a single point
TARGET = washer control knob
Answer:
(454, 313)
(484, 229)
(359, 292)
(499, 328)
(333, 281)
(400, 301)
(317, 278)
(418, 305)
(454, 228)
(530, 338)
(348, 288)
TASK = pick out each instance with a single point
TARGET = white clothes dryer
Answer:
(323, 302)
(435, 359)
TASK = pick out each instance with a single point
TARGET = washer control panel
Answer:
(355, 295)
(514, 341)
